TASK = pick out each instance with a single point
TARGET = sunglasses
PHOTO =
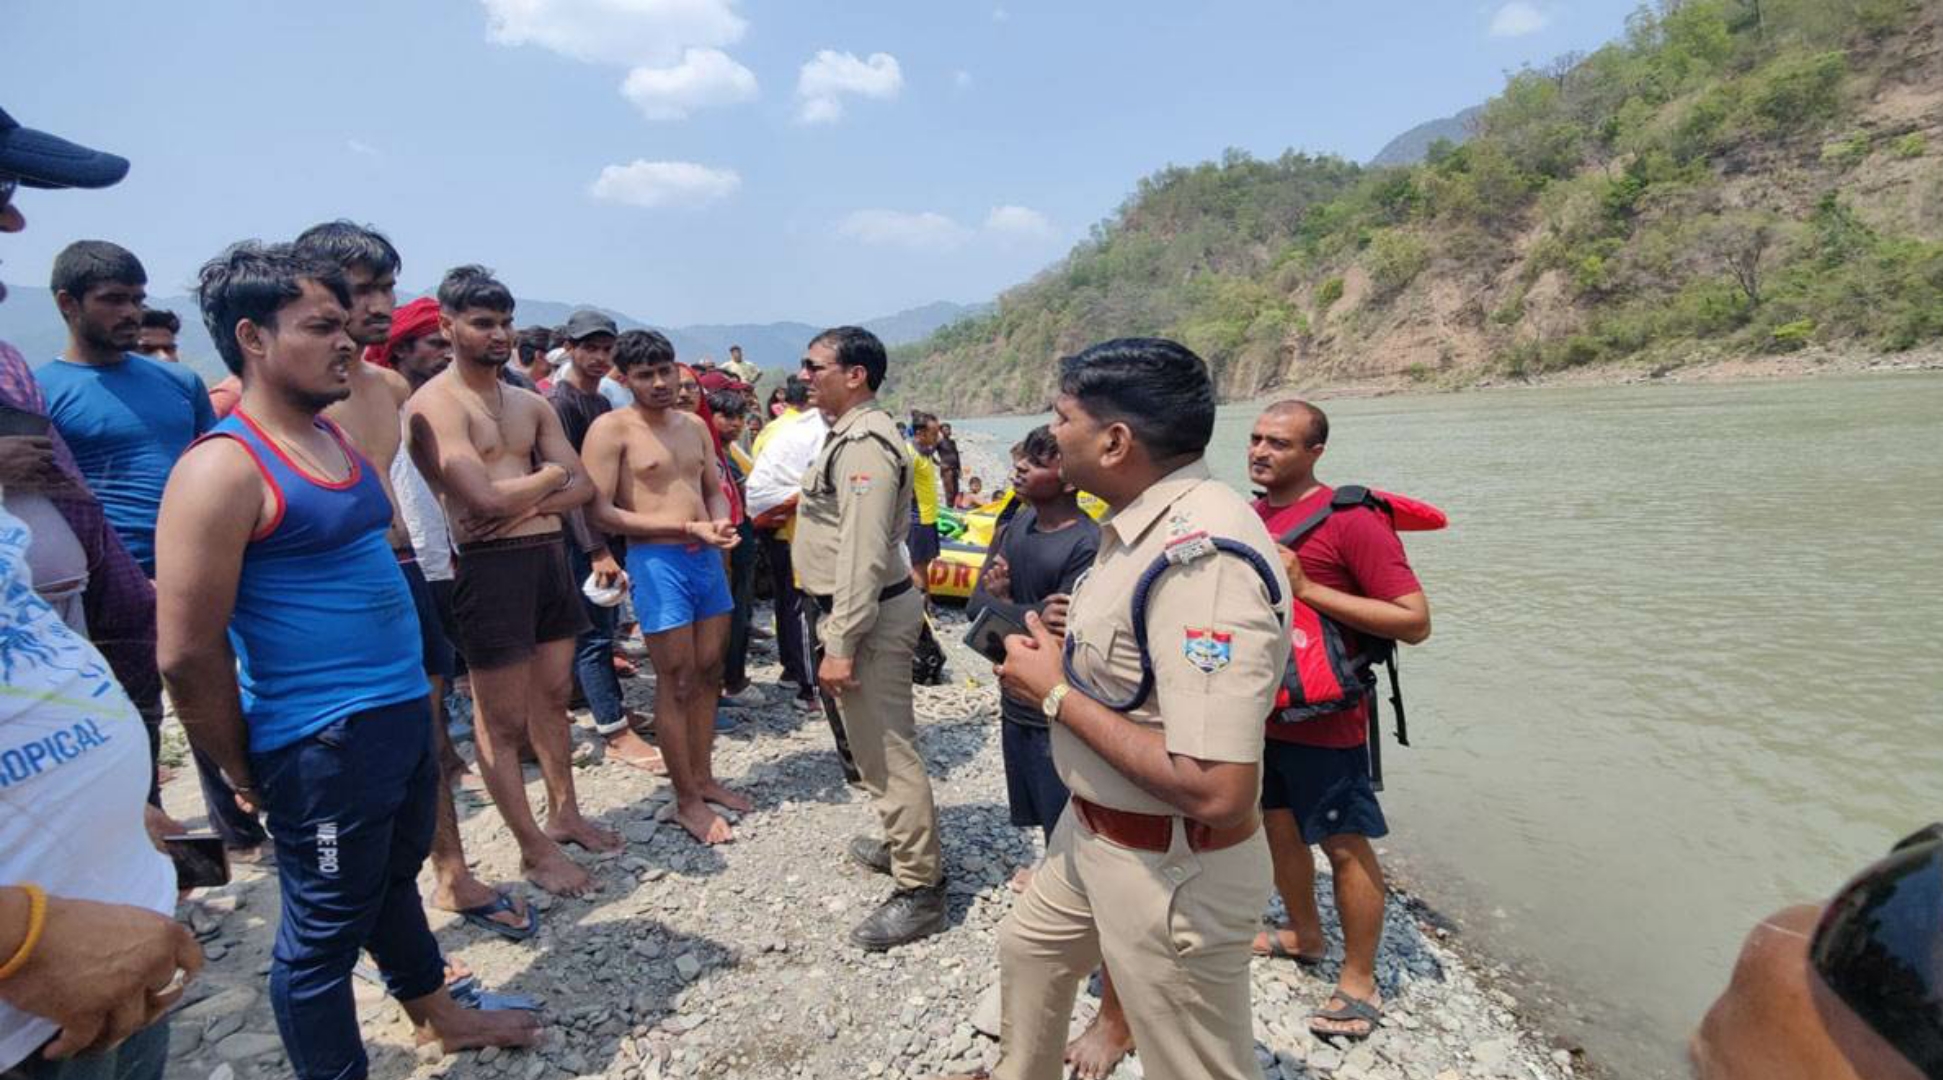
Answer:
(1879, 947)
(8, 185)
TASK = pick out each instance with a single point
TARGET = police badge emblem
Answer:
(1208, 649)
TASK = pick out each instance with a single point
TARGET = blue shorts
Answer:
(1327, 789)
(677, 585)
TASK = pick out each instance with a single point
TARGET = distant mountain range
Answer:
(29, 321)
(1410, 147)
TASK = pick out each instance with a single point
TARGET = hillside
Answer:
(1732, 178)
(1413, 146)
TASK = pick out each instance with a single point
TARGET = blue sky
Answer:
(694, 161)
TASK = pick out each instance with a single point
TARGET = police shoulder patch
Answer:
(860, 483)
(1208, 649)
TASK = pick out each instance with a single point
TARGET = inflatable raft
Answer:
(965, 537)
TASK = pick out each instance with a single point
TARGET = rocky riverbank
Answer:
(734, 961)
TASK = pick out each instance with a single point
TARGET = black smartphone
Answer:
(17, 421)
(200, 860)
(989, 631)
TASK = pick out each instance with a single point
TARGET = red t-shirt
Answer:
(1357, 552)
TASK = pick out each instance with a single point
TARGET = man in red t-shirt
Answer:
(1315, 774)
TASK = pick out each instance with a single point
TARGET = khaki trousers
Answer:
(882, 730)
(1174, 929)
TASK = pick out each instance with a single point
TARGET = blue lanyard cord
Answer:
(1140, 591)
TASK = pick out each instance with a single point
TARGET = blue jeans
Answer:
(593, 655)
(139, 1057)
(351, 810)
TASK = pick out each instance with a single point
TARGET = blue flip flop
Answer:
(482, 917)
(469, 994)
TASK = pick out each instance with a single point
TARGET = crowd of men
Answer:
(389, 498)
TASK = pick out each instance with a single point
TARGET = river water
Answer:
(1686, 668)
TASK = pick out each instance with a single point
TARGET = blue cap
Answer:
(40, 160)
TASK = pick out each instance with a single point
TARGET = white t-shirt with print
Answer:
(74, 772)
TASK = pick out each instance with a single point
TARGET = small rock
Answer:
(430, 1053)
(688, 967)
(488, 1055)
(184, 1039)
(222, 1027)
(223, 1072)
(247, 1045)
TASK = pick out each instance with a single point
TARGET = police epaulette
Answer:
(1185, 549)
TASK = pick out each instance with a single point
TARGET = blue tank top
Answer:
(324, 624)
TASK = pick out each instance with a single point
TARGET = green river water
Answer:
(1687, 667)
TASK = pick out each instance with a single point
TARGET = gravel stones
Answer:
(735, 961)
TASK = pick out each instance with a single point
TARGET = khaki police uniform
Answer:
(1174, 927)
(848, 552)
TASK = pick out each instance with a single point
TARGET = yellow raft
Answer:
(954, 573)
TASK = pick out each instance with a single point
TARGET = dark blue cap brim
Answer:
(40, 160)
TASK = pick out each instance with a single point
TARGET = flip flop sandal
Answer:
(1278, 951)
(482, 917)
(469, 994)
(1354, 1009)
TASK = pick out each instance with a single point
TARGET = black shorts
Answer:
(436, 646)
(511, 595)
(1327, 789)
(922, 543)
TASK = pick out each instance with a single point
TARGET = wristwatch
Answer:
(1054, 698)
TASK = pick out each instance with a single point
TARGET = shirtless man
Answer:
(661, 487)
(518, 610)
(370, 416)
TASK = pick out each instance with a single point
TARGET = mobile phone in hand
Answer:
(200, 860)
(989, 631)
(16, 421)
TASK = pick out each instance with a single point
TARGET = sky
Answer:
(715, 161)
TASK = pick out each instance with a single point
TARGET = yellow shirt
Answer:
(924, 486)
(790, 415)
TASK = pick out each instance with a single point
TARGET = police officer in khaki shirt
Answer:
(849, 554)
(1160, 868)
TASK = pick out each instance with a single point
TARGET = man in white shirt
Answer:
(783, 451)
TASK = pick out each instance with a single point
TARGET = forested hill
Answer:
(1730, 178)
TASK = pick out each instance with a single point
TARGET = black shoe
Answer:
(908, 915)
(871, 854)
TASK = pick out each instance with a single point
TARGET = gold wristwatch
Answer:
(1054, 698)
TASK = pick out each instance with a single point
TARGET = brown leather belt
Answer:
(1155, 832)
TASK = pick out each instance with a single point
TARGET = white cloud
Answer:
(704, 77)
(630, 32)
(923, 231)
(657, 184)
(830, 76)
(961, 79)
(1021, 222)
(1518, 18)
(928, 230)
(362, 148)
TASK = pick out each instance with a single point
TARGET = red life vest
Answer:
(1323, 675)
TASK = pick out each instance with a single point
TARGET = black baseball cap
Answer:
(37, 159)
(587, 322)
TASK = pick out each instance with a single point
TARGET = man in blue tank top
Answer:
(287, 638)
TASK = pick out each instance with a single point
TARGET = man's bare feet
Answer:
(1021, 880)
(631, 749)
(1098, 1050)
(574, 829)
(713, 791)
(469, 1029)
(704, 824)
(557, 874)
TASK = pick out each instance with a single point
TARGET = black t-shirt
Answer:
(947, 451)
(578, 410)
(1042, 564)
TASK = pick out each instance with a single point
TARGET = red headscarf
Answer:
(408, 323)
(715, 438)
